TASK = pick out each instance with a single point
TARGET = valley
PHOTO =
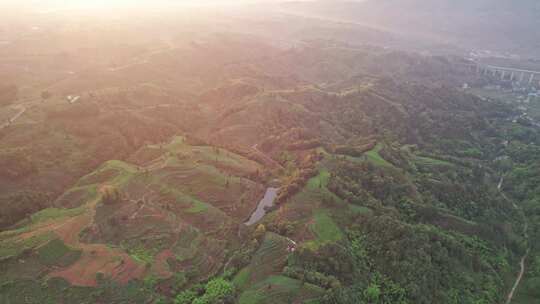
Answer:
(261, 154)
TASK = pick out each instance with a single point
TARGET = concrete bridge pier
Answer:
(512, 76)
(531, 78)
(522, 77)
(503, 73)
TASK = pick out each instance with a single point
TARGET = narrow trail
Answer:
(266, 157)
(520, 275)
(522, 264)
(143, 59)
(21, 108)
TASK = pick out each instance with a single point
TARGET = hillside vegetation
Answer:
(388, 184)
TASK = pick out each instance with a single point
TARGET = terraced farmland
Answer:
(177, 214)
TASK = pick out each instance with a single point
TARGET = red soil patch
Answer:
(161, 266)
(69, 230)
(39, 230)
(95, 258)
(112, 263)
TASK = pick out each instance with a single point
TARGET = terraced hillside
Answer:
(177, 213)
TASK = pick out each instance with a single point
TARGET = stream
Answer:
(266, 201)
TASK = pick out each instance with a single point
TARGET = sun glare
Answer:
(107, 4)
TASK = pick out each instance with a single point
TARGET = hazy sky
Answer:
(45, 6)
(79, 3)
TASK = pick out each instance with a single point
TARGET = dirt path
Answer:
(522, 264)
(519, 277)
(142, 59)
(266, 157)
(21, 108)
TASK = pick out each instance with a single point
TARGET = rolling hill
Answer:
(389, 177)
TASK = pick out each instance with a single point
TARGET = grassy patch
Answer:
(139, 252)
(206, 154)
(57, 253)
(325, 229)
(274, 289)
(242, 278)
(316, 189)
(374, 156)
(57, 290)
(98, 176)
(197, 207)
(279, 289)
(359, 209)
(268, 260)
(54, 213)
(126, 171)
(319, 181)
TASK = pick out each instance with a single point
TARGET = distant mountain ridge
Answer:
(499, 25)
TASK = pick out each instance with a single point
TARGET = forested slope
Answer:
(388, 185)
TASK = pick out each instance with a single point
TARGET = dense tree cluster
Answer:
(361, 183)
(419, 247)
(216, 291)
(295, 184)
(19, 205)
(312, 277)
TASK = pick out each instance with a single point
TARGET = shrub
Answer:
(185, 297)
(111, 196)
(219, 290)
(372, 293)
